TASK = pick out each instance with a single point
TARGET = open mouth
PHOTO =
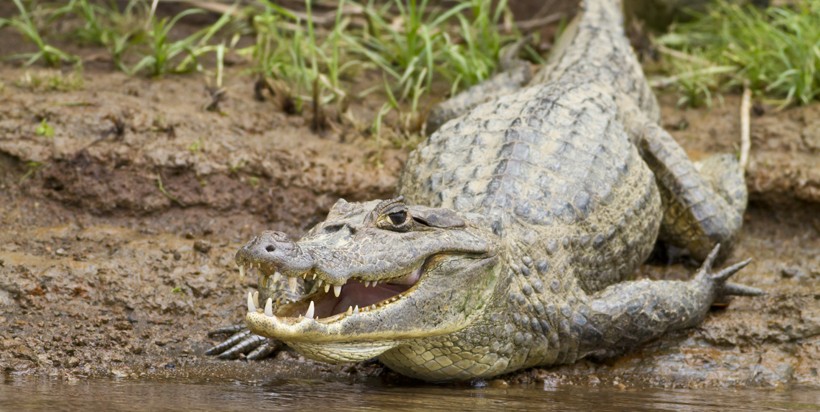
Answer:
(325, 301)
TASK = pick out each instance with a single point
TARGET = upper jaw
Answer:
(405, 315)
(330, 265)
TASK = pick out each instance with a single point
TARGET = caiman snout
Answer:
(270, 242)
(274, 250)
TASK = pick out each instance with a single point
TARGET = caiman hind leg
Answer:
(703, 202)
(629, 313)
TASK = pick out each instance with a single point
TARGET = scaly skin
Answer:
(539, 205)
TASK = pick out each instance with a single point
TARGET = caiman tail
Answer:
(594, 48)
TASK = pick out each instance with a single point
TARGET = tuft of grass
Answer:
(306, 66)
(164, 51)
(422, 43)
(776, 51)
(109, 27)
(409, 43)
(460, 44)
(23, 23)
(475, 57)
(44, 129)
(31, 169)
(52, 80)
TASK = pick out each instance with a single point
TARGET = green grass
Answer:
(460, 44)
(775, 51)
(307, 67)
(52, 80)
(24, 24)
(408, 43)
(44, 129)
(116, 30)
(163, 51)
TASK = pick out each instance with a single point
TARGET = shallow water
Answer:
(19, 394)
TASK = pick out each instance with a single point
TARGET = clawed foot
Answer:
(719, 279)
(242, 342)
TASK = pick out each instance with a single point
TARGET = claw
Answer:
(735, 289)
(230, 342)
(264, 350)
(706, 267)
(246, 345)
(731, 270)
(719, 279)
(226, 330)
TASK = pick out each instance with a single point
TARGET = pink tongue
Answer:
(354, 294)
(408, 280)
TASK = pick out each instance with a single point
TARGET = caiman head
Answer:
(376, 274)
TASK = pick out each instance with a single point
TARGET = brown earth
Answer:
(118, 232)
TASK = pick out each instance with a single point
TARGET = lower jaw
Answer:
(342, 352)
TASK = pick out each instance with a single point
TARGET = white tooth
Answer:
(251, 306)
(314, 275)
(327, 287)
(319, 283)
(241, 272)
(255, 298)
(367, 284)
(373, 306)
(277, 276)
(337, 290)
(349, 310)
(304, 275)
(309, 313)
(356, 309)
(292, 282)
(269, 307)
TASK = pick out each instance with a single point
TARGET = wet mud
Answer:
(118, 234)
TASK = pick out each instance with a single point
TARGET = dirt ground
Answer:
(118, 233)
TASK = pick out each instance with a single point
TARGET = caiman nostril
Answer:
(270, 248)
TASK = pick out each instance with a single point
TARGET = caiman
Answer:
(516, 232)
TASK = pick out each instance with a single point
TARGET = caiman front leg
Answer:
(276, 291)
(626, 314)
(703, 201)
(242, 341)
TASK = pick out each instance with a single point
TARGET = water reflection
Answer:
(293, 394)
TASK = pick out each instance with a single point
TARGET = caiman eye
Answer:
(391, 214)
(397, 218)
